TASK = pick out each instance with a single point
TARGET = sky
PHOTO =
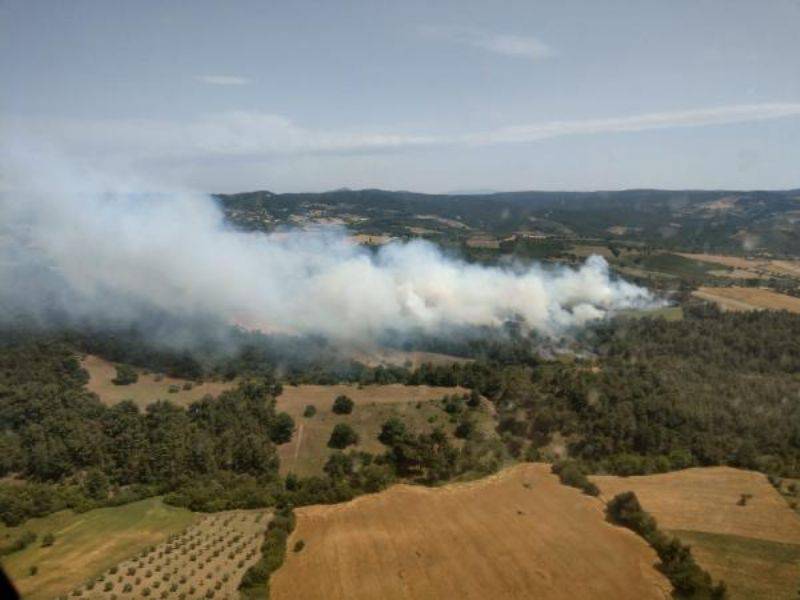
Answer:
(415, 95)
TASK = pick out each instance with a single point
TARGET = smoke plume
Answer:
(100, 245)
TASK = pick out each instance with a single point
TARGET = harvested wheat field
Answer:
(518, 534)
(747, 298)
(149, 388)
(755, 548)
(207, 560)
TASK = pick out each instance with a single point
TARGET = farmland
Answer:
(545, 541)
(753, 547)
(205, 560)
(307, 452)
(88, 544)
(748, 298)
(755, 266)
(149, 388)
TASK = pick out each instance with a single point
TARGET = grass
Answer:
(672, 265)
(668, 313)
(88, 544)
(307, 452)
(148, 388)
(752, 569)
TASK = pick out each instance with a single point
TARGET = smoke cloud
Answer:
(97, 244)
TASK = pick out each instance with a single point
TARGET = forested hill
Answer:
(694, 220)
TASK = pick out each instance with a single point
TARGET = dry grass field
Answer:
(307, 452)
(88, 544)
(148, 389)
(756, 266)
(755, 548)
(748, 298)
(518, 534)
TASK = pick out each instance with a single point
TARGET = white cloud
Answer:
(698, 117)
(527, 47)
(223, 80)
(241, 135)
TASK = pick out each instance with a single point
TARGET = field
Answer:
(518, 534)
(748, 298)
(148, 389)
(780, 268)
(307, 452)
(755, 548)
(206, 560)
(88, 544)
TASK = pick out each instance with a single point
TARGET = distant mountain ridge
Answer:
(729, 220)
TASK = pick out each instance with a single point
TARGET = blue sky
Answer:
(427, 96)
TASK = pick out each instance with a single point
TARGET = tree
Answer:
(310, 411)
(342, 405)
(392, 431)
(125, 375)
(342, 436)
(339, 465)
(96, 485)
(282, 428)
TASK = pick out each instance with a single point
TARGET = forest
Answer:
(643, 396)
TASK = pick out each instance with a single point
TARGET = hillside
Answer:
(518, 534)
(722, 221)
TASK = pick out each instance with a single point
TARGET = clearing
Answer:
(418, 406)
(87, 544)
(517, 534)
(748, 298)
(149, 388)
(755, 548)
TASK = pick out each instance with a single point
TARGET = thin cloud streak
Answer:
(518, 46)
(243, 135)
(223, 80)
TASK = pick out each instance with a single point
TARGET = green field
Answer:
(87, 544)
(753, 569)
(669, 265)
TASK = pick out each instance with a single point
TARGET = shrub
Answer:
(173, 389)
(299, 545)
(342, 436)
(570, 473)
(48, 540)
(108, 586)
(309, 411)
(125, 376)
(342, 405)
(127, 588)
(34, 570)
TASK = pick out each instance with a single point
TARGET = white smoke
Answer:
(107, 240)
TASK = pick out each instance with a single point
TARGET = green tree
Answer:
(342, 405)
(342, 436)
(125, 375)
(282, 428)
